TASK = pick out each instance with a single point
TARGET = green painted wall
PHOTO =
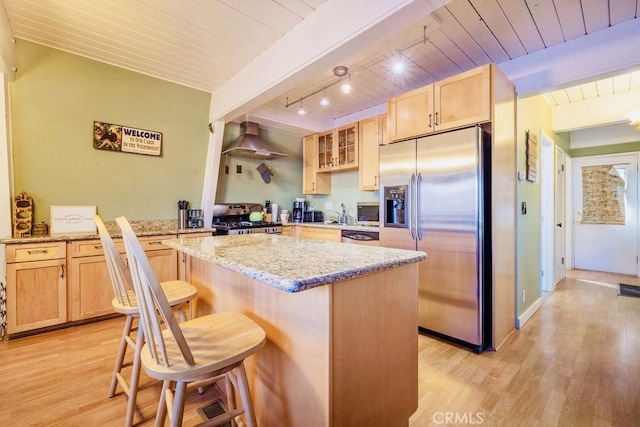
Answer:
(533, 114)
(56, 97)
(286, 182)
(248, 186)
(344, 189)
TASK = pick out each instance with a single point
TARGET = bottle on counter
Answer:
(267, 211)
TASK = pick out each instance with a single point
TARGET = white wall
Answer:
(604, 135)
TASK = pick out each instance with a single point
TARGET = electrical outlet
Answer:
(328, 206)
(524, 296)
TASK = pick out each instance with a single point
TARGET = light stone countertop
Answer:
(140, 227)
(293, 264)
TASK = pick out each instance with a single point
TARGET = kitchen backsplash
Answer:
(344, 189)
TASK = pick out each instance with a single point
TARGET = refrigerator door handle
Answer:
(412, 185)
(419, 230)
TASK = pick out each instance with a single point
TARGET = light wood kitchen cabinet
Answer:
(312, 181)
(36, 286)
(331, 234)
(369, 140)
(90, 290)
(338, 150)
(288, 230)
(346, 147)
(464, 99)
(324, 150)
(460, 100)
(184, 260)
(410, 114)
(163, 259)
(383, 135)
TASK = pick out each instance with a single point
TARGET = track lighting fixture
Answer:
(346, 86)
(398, 66)
(324, 101)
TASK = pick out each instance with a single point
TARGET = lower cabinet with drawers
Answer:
(36, 286)
(90, 290)
(54, 283)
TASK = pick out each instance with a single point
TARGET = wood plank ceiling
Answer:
(202, 43)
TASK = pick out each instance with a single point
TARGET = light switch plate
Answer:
(328, 205)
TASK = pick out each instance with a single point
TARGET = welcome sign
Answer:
(113, 137)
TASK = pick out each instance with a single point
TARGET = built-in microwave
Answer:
(368, 213)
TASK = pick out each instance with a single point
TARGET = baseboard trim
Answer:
(520, 321)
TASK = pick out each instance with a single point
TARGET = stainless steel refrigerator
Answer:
(435, 197)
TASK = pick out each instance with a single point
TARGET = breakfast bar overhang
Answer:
(341, 324)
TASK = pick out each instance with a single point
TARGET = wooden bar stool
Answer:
(207, 347)
(178, 292)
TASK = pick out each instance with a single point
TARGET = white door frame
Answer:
(547, 179)
(560, 159)
(568, 213)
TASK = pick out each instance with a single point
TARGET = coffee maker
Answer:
(299, 206)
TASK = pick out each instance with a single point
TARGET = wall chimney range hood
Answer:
(250, 145)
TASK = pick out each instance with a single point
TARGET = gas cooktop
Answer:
(233, 218)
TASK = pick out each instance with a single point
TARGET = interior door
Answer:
(605, 213)
(559, 236)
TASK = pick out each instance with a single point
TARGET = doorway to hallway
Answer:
(605, 213)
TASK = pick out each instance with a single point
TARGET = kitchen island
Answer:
(341, 324)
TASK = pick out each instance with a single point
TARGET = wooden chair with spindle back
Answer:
(208, 347)
(178, 292)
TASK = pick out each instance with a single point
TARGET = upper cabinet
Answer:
(347, 147)
(463, 99)
(410, 114)
(369, 133)
(324, 149)
(312, 181)
(338, 149)
(457, 101)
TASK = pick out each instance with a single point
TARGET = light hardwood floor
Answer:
(576, 362)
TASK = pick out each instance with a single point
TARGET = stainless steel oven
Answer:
(368, 213)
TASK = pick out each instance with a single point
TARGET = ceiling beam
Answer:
(597, 55)
(335, 31)
(600, 111)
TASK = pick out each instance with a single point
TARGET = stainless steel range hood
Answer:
(250, 144)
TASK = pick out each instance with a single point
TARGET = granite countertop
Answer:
(290, 263)
(140, 227)
(354, 227)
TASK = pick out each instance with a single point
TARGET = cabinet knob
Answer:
(430, 120)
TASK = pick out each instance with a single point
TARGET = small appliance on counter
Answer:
(368, 213)
(299, 206)
(183, 214)
(313, 216)
(196, 218)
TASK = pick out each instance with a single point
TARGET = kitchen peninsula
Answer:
(341, 324)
